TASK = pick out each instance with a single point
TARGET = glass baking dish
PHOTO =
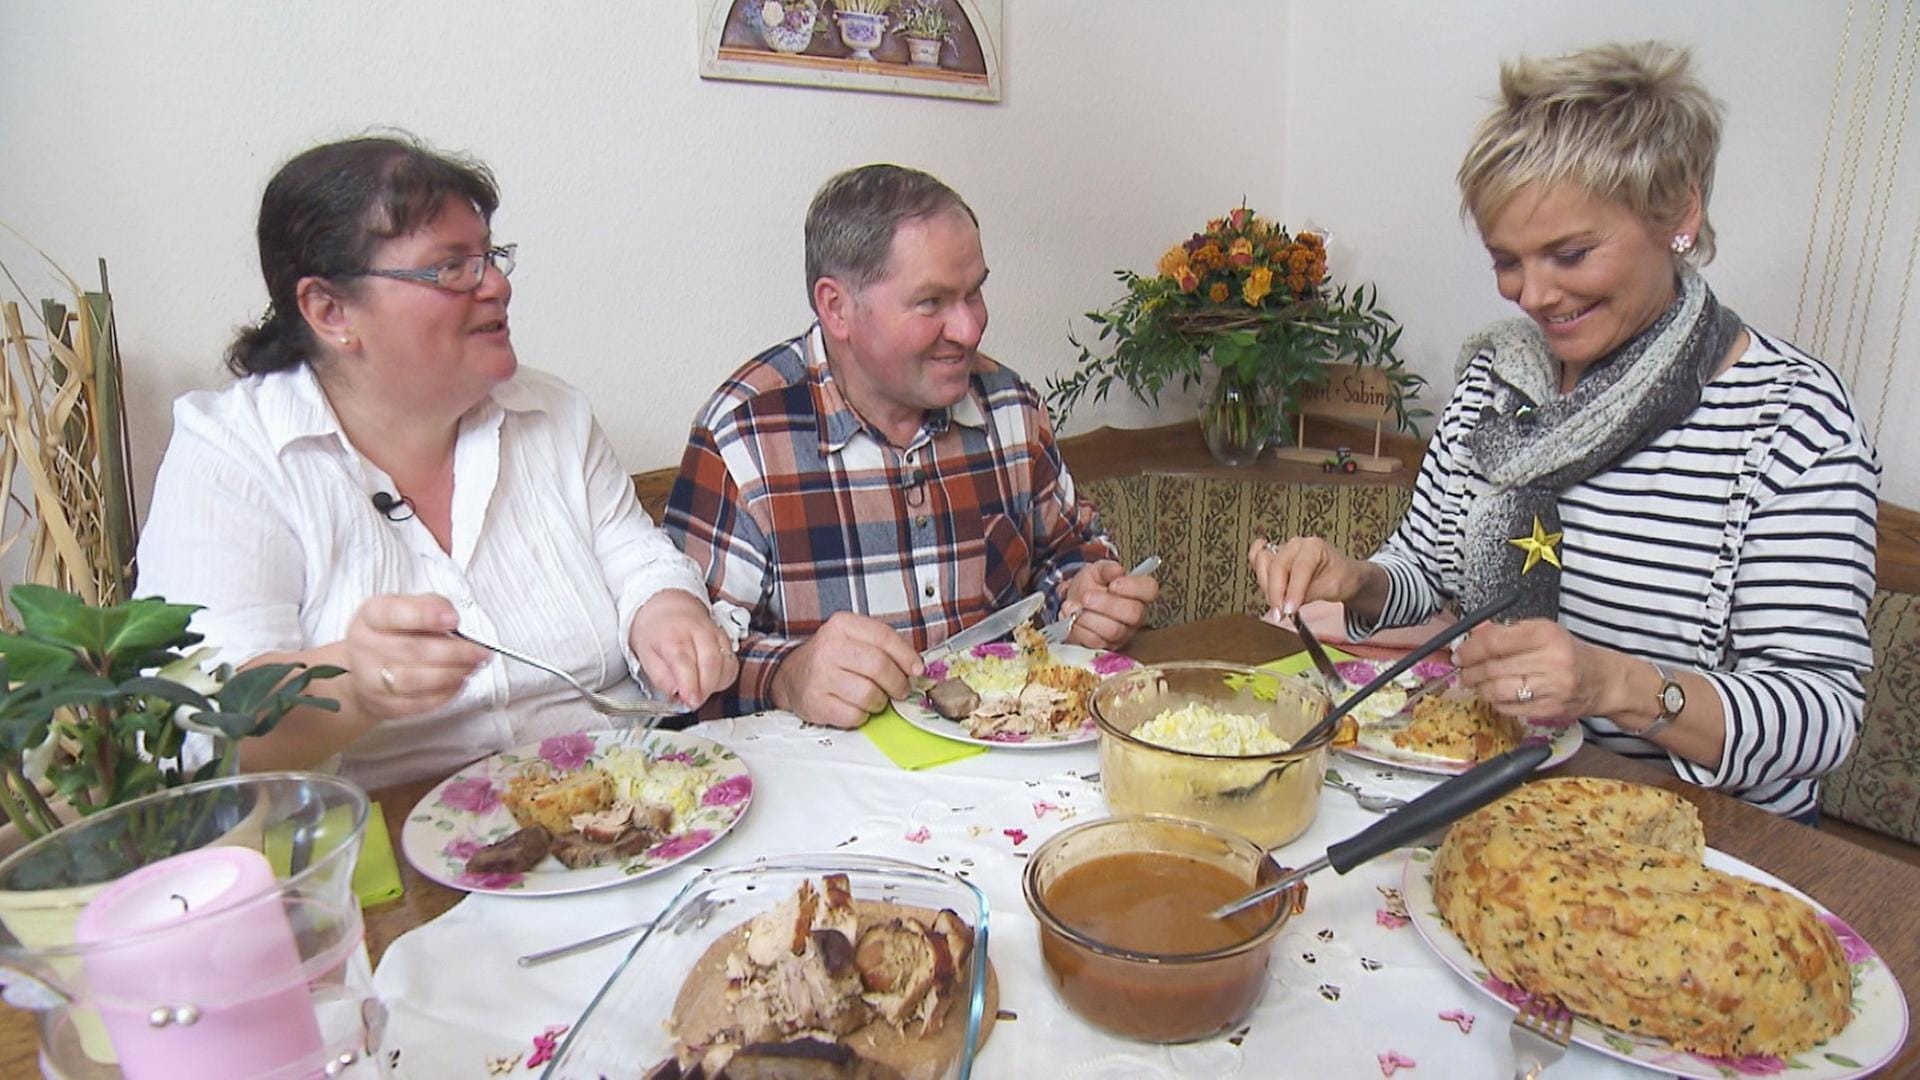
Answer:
(623, 1031)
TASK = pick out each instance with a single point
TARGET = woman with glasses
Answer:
(383, 472)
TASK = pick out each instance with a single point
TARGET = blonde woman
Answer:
(1685, 503)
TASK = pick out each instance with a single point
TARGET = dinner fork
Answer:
(1540, 1033)
(1056, 631)
(698, 914)
(602, 704)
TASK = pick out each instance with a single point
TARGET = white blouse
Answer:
(263, 513)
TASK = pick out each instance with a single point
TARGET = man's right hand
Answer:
(846, 672)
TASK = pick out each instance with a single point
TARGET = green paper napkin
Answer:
(1300, 662)
(376, 877)
(911, 748)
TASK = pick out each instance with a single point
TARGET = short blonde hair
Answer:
(1628, 123)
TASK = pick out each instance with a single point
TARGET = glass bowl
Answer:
(1267, 798)
(624, 1029)
(1156, 995)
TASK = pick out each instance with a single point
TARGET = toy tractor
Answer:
(1341, 461)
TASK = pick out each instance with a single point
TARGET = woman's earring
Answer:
(344, 340)
(1682, 243)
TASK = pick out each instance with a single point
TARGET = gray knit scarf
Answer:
(1533, 443)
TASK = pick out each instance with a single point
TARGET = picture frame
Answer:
(847, 45)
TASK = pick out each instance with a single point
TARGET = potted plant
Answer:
(96, 705)
(786, 26)
(926, 26)
(97, 701)
(863, 25)
(1245, 307)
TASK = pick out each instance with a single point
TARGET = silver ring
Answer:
(386, 679)
(1526, 692)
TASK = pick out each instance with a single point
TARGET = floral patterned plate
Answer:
(919, 712)
(464, 813)
(1375, 746)
(1877, 1032)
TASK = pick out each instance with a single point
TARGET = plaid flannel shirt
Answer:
(797, 509)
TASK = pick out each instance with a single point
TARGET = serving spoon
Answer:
(1445, 804)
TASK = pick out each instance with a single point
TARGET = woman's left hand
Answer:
(1535, 669)
(685, 654)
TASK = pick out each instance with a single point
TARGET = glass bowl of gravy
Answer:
(1213, 742)
(1125, 932)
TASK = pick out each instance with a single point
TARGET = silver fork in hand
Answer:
(602, 704)
(1056, 631)
(1540, 1033)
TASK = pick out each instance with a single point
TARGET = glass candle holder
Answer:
(209, 931)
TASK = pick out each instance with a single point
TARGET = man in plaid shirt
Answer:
(875, 485)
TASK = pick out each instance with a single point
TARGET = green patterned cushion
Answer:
(1202, 528)
(1878, 786)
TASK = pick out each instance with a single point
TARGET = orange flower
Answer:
(1187, 279)
(1296, 284)
(1217, 225)
(1219, 292)
(1298, 260)
(1173, 262)
(1240, 252)
(1258, 285)
(1207, 257)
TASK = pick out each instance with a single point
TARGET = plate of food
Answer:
(577, 812)
(1446, 730)
(1673, 956)
(1018, 695)
(822, 965)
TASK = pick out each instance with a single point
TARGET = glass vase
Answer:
(208, 931)
(1237, 417)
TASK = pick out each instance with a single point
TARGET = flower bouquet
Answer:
(1249, 303)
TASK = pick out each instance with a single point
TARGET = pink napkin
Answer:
(1328, 621)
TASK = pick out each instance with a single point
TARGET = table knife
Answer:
(992, 628)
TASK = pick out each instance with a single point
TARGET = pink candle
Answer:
(193, 966)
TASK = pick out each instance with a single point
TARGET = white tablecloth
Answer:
(1355, 992)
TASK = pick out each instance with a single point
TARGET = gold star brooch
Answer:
(1538, 546)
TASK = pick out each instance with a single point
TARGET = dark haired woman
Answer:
(384, 471)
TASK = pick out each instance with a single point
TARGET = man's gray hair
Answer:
(851, 222)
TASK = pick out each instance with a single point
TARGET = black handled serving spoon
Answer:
(1444, 805)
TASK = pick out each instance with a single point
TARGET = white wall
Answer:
(1382, 96)
(660, 214)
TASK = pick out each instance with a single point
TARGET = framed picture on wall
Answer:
(937, 48)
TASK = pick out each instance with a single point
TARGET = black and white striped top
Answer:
(1740, 543)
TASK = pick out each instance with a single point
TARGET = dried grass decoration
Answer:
(63, 433)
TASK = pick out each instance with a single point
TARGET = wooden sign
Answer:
(1353, 393)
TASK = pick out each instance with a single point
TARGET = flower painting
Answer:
(934, 48)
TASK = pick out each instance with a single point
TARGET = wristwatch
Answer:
(1673, 698)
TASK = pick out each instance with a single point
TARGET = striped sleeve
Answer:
(1411, 555)
(1794, 698)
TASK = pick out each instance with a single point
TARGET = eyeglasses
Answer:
(460, 274)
